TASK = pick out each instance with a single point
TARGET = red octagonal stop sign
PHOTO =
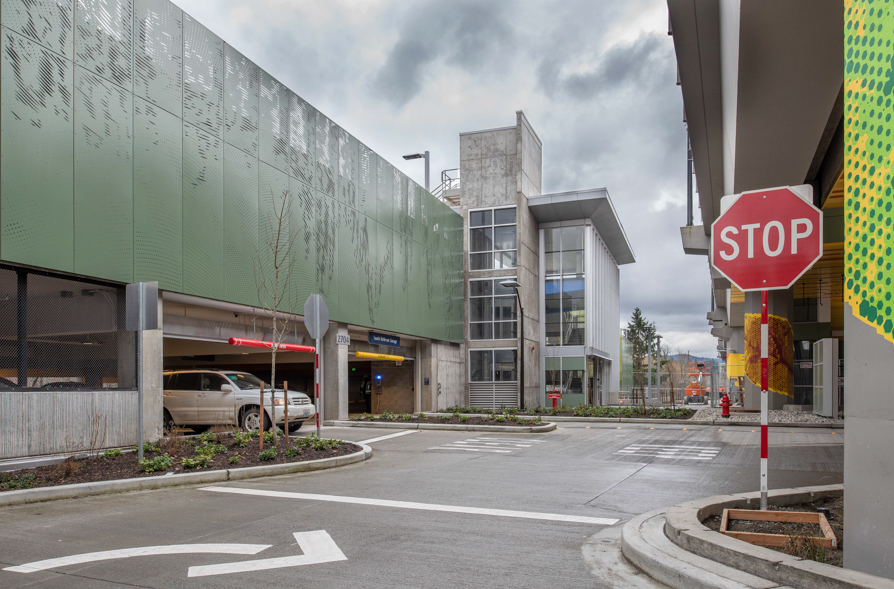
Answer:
(767, 239)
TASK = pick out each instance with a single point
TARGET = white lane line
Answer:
(510, 440)
(703, 448)
(471, 449)
(558, 517)
(42, 565)
(389, 436)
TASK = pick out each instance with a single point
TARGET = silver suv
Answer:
(225, 397)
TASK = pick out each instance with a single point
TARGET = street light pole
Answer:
(424, 155)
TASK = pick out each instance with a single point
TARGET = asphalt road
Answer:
(428, 510)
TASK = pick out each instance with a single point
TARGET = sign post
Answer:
(316, 320)
(141, 313)
(766, 240)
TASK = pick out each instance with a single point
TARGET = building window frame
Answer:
(495, 373)
(488, 309)
(564, 283)
(489, 238)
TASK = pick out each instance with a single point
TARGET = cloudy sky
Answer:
(596, 79)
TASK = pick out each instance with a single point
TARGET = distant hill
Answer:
(682, 358)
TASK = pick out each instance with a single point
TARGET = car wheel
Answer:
(167, 422)
(251, 419)
(294, 426)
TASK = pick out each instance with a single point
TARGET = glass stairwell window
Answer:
(493, 310)
(492, 239)
(563, 251)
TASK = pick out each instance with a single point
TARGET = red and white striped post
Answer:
(765, 403)
(317, 384)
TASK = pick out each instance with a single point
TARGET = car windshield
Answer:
(244, 380)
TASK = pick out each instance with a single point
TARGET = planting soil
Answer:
(177, 455)
(798, 532)
(489, 419)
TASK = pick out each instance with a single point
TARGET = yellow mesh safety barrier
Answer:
(781, 353)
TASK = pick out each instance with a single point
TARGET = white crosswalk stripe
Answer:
(488, 445)
(674, 452)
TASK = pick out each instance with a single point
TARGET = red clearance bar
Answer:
(251, 343)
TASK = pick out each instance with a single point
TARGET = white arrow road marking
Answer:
(557, 517)
(389, 436)
(318, 547)
(42, 565)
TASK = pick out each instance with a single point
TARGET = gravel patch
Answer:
(775, 416)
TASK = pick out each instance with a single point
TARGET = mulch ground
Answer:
(836, 521)
(90, 470)
(453, 420)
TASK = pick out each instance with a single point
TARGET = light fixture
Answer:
(424, 155)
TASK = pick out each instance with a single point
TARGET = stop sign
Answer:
(766, 239)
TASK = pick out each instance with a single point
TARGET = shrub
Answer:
(406, 417)
(234, 459)
(211, 450)
(389, 416)
(292, 452)
(500, 418)
(444, 418)
(268, 454)
(112, 453)
(10, 482)
(421, 416)
(463, 418)
(148, 448)
(241, 439)
(537, 420)
(158, 463)
(206, 437)
(200, 461)
(269, 437)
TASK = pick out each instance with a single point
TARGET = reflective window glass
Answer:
(572, 238)
(552, 241)
(504, 237)
(492, 232)
(481, 365)
(479, 218)
(505, 365)
(504, 216)
(481, 261)
(481, 240)
(572, 262)
(480, 331)
(480, 288)
(490, 302)
(553, 263)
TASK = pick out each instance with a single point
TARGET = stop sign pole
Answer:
(316, 320)
(766, 240)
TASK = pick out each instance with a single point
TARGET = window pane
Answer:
(480, 331)
(188, 381)
(572, 307)
(505, 309)
(504, 260)
(481, 261)
(573, 287)
(499, 289)
(481, 240)
(212, 382)
(504, 237)
(553, 309)
(506, 330)
(481, 366)
(480, 288)
(479, 218)
(572, 263)
(572, 238)
(480, 309)
(552, 263)
(551, 240)
(505, 365)
(504, 217)
(553, 334)
(572, 382)
(573, 334)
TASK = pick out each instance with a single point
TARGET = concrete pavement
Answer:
(582, 472)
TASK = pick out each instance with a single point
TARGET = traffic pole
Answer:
(317, 384)
(765, 404)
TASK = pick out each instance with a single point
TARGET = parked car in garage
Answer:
(228, 397)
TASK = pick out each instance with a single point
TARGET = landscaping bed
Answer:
(178, 454)
(799, 534)
(455, 419)
(585, 411)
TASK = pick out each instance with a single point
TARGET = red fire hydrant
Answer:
(724, 406)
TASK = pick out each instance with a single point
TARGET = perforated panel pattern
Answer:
(348, 171)
(350, 264)
(302, 142)
(274, 202)
(103, 179)
(274, 130)
(240, 224)
(203, 77)
(37, 159)
(385, 193)
(366, 193)
(46, 22)
(158, 54)
(304, 269)
(241, 101)
(326, 135)
(103, 39)
(203, 212)
(385, 259)
(327, 250)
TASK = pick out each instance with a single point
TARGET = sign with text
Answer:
(384, 340)
(343, 339)
(767, 239)
(554, 395)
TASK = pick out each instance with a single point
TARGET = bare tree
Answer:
(273, 271)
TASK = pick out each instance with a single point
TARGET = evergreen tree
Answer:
(638, 331)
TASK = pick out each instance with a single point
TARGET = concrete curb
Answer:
(786, 424)
(176, 480)
(644, 544)
(533, 429)
(683, 527)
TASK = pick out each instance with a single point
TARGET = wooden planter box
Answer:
(827, 541)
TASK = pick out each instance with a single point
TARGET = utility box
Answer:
(825, 377)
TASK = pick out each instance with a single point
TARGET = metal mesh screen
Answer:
(63, 334)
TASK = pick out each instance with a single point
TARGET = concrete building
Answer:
(563, 250)
(783, 94)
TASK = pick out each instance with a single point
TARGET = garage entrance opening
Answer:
(377, 386)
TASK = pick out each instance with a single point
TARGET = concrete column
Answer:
(335, 374)
(868, 439)
(781, 305)
(153, 395)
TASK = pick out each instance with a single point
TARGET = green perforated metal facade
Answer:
(137, 145)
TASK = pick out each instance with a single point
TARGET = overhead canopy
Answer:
(594, 205)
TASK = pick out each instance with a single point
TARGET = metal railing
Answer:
(449, 181)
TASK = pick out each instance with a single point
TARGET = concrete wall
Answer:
(397, 387)
(444, 365)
